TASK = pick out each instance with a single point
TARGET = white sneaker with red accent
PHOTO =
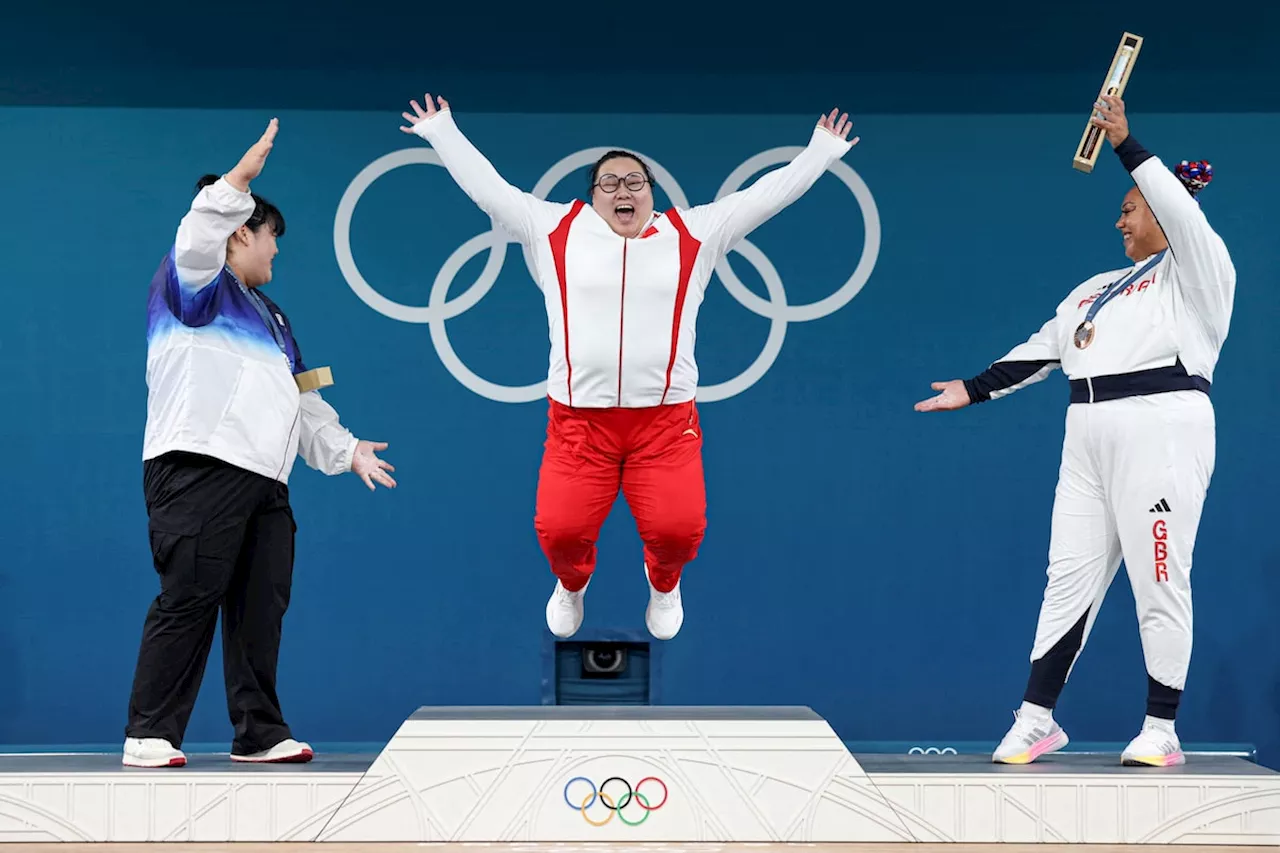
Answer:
(287, 751)
(1156, 745)
(151, 752)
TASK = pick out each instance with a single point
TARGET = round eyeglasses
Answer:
(634, 181)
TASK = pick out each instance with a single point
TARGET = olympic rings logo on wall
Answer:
(440, 307)
(615, 805)
(931, 750)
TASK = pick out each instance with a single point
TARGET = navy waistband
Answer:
(1157, 380)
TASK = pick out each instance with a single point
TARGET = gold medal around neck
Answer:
(1084, 334)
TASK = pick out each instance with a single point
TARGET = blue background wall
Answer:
(882, 566)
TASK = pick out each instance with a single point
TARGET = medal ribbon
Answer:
(1118, 287)
(265, 314)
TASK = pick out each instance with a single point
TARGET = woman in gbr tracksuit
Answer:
(622, 285)
(1139, 345)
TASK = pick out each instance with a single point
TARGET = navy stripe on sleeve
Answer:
(1132, 154)
(1002, 375)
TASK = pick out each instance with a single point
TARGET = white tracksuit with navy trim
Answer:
(1139, 449)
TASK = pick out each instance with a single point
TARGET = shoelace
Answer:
(666, 600)
(1032, 730)
(1164, 743)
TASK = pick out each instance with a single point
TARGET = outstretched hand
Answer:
(421, 115)
(953, 396)
(369, 467)
(250, 165)
(1110, 117)
(839, 129)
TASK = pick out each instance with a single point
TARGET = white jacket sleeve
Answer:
(200, 247)
(722, 223)
(522, 215)
(199, 250)
(323, 442)
(1206, 275)
(1026, 364)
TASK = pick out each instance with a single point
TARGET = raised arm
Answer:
(522, 215)
(1206, 275)
(722, 223)
(1026, 364)
(200, 247)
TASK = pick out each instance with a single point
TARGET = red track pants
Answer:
(654, 455)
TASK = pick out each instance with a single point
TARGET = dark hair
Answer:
(609, 155)
(264, 212)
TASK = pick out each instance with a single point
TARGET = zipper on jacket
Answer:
(622, 311)
(297, 416)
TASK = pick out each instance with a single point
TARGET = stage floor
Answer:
(875, 764)
(1058, 764)
(604, 847)
(109, 763)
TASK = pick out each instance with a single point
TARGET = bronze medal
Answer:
(1084, 334)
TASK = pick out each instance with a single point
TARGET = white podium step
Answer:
(637, 774)
(612, 774)
(1080, 799)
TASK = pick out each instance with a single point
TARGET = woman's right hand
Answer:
(953, 396)
(420, 115)
(250, 165)
(837, 128)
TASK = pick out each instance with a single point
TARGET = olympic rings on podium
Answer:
(615, 806)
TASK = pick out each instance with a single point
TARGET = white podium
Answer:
(623, 775)
(615, 774)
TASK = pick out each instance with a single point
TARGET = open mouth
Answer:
(625, 212)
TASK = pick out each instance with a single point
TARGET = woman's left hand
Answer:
(368, 467)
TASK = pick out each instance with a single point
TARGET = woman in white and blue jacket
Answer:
(225, 420)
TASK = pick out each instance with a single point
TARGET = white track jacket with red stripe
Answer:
(622, 311)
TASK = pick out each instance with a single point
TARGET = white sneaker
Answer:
(564, 610)
(665, 613)
(1029, 738)
(1156, 745)
(287, 751)
(151, 752)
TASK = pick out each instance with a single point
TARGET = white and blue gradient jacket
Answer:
(221, 358)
